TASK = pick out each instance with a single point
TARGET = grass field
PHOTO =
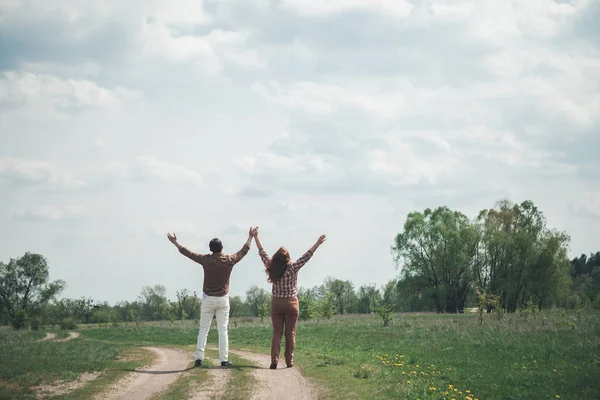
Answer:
(555, 355)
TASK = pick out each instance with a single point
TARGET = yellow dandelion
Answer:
(555, 370)
(417, 365)
(432, 389)
(408, 382)
(467, 391)
(403, 373)
(460, 393)
(468, 398)
(557, 396)
(446, 393)
(535, 362)
(414, 372)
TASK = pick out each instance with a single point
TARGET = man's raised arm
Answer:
(237, 257)
(199, 258)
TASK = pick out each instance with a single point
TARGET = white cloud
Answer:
(590, 203)
(38, 173)
(46, 91)
(51, 213)
(324, 99)
(397, 8)
(147, 168)
(207, 52)
(181, 227)
(299, 115)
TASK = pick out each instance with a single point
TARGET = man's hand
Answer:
(254, 231)
(172, 238)
(321, 240)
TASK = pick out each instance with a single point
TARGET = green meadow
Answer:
(549, 355)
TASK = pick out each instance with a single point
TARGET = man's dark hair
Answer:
(215, 245)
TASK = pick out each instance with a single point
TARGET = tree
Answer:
(151, 299)
(307, 302)
(369, 298)
(24, 287)
(326, 306)
(179, 306)
(341, 291)
(390, 294)
(518, 256)
(255, 298)
(439, 245)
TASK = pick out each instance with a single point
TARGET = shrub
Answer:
(67, 323)
(386, 313)
(36, 323)
(21, 320)
(326, 306)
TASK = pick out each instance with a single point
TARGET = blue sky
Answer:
(122, 121)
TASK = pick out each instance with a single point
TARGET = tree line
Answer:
(447, 262)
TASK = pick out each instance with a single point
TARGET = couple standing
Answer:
(281, 272)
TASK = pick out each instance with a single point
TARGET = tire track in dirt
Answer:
(72, 335)
(218, 384)
(49, 336)
(146, 382)
(281, 383)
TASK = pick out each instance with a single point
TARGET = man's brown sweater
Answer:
(217, 269)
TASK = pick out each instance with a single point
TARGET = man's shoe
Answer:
(226, 364)
(273, 366)
(290, 365)
(198, 363)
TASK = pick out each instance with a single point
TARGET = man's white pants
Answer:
(211, 306)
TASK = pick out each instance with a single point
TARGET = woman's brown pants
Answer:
(284, 312)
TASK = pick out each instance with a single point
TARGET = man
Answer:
(215, 289)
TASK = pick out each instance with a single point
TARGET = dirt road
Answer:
(146, 382)
(282, 383)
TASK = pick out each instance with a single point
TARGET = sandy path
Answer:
(49, 336)
(72, 335)
(217, 385)
(282, 383)
(145, 383)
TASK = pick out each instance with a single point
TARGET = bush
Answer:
(101, 316)
(308, 308)
(21, 320)
(326, 307)
(386, 313)
(67, 323)
(36, 323)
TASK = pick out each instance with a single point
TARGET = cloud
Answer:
(299, 114)
(52, 213)
(181, 227)
(148, 168)
(589, 204)
(45, 92)
(396, 8)
(37, 173)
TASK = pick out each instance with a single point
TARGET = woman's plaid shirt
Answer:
(287, 286)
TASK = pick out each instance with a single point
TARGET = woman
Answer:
(283, 275)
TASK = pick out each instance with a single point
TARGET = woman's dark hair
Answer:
(278, 265)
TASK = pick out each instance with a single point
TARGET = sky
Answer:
(122, 121)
